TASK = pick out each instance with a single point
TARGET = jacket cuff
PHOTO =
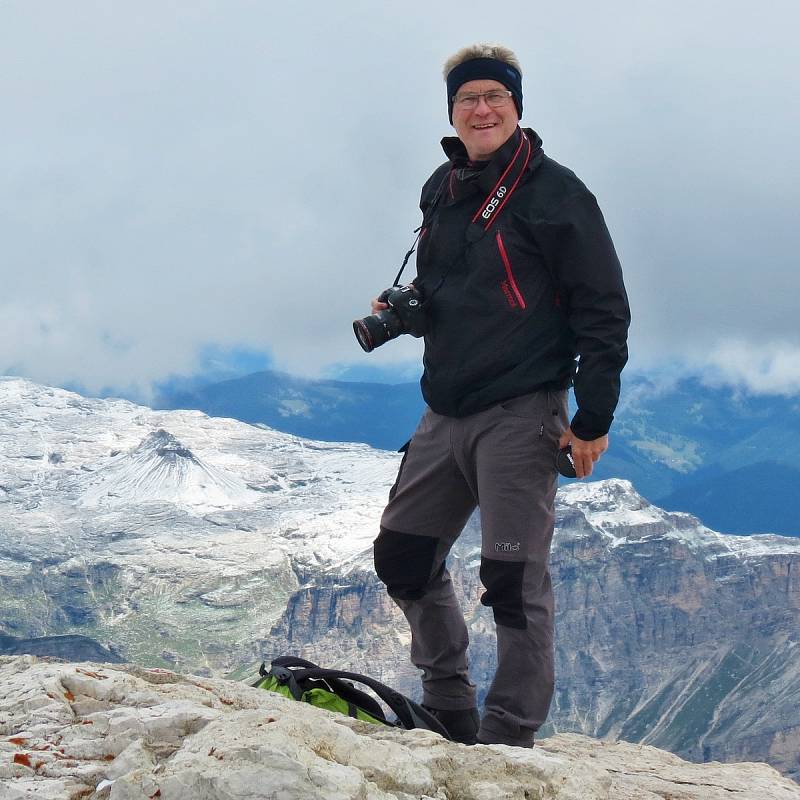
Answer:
(588, 426)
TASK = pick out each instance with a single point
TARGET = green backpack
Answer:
(333, 689)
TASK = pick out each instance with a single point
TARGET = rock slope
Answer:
(95, 731)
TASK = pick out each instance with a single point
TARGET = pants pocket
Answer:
(404, 450)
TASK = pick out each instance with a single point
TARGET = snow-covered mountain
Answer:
(206, 543)
(174, 536)
(162, 470)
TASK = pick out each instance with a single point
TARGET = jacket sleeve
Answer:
(581, 255)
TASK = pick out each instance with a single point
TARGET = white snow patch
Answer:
(162, 470)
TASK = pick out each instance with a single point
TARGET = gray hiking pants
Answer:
(502, 459)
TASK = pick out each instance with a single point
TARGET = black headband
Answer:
(484, 69)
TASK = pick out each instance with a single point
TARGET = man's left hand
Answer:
(584, 454)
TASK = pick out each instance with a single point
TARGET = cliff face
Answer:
(67, 648)
(672, 635)
(102, 732)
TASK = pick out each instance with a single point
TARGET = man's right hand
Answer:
(378, 306)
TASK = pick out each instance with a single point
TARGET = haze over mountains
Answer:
(207, 544)
(719, 453)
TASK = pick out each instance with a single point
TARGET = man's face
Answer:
(483, 129)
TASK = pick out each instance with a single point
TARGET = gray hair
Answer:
(482, 50)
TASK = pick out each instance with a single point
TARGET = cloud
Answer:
(186, 176)
(767, 368)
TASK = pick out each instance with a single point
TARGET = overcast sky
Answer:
(180, 178)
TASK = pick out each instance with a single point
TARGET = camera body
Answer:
(404, 315)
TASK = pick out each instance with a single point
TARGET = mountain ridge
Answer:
(684, 444)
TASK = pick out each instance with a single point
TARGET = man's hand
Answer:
(378, 306)
(584, 453)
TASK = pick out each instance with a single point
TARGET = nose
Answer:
(483, 107)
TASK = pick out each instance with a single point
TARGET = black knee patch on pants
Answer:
(503, 582)
(404, 563)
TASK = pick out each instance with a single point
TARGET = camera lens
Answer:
(377, 329)
(365, 334)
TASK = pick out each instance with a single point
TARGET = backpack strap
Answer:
(294, 671)
(288, 670)
(281, 669)
(355, 697)
(288, 677)
(409, 714)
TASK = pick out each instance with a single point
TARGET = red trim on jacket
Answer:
(509, 272)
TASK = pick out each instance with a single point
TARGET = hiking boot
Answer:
(462, 725)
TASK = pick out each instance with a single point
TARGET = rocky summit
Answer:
(95, 731)
(203, 545)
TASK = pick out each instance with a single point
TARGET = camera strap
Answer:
(491, 207)
(488, 211)
(426, 218)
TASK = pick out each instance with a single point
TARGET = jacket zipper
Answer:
(512, 284)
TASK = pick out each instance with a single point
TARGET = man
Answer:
(519, 278)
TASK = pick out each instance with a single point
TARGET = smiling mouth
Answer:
(485, 126)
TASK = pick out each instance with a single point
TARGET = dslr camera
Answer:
(404, 315)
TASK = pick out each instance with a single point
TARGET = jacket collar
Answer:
(455, 151)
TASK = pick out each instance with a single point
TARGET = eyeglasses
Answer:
(497, 98)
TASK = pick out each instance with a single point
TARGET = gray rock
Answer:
(180, 737)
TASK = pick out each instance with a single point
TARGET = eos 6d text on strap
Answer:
(504, 188)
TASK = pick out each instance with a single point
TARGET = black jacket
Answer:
(509, 309)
